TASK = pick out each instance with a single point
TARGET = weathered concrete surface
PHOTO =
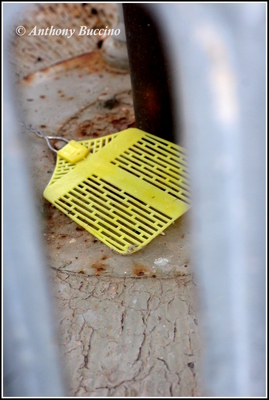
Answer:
(128, 337)
(128, 324)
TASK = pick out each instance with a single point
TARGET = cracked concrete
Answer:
(128, 325)
(128, 337)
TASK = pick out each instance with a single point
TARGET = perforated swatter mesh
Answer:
(160, 163)
(120, 219)
(117, 217)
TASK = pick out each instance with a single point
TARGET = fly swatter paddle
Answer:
(125, 188)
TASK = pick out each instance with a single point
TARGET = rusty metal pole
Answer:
(150, 75)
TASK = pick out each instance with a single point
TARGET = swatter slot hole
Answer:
(184, 199)
(158, 144)
(64, 209)
(155, 157)
(130, 225)
(160, 219)
(96, 183)
(180, 192)
(137, 151)
(115, 194)
(142, 172)
(147, 229)
(86, 222)
(94, 187)
(182, 189)
(82, 211)
(122, 161)
(128, 158)
(157, 149)
(77, 190)
(101, 204)
(130, 170)
(99, 212)
(141, 212)
(65, 203)
(154, 184)
(111, 188)
(93, 196)
(110, 185)
(163, 170)
(128, 234)
(160, 175)
(115, 244)
(165, 183)
(154, 142)
(169, 162)
(163, 142)
(119, 215)
(130, 242)
(124, 211)
(144, 219)
(106, 220)
(93, 199)
(185, 194)
(173, 171)
(136, 208)
(111, 233)
(136, 199)
(143, 150)
(167, 218)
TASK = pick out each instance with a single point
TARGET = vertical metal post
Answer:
(31, 362)
(149, 70)
(217, 55)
